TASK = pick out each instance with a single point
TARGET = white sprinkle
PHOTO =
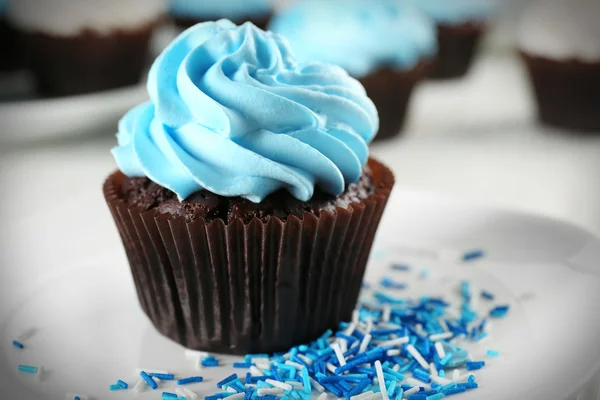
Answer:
(39, 376)
(139, 386)
(179, 392)
(355, 317)
(322, 396)
(455, 375)
(189, 394)
(269, 391)
(278, 384)
(344, 345)
(237, 396)
(488, 327)
(441, 336)
(255, 371)
(375, 396)
(412, 391)
(394, 342)
(231, 390)
(316, 385)
(369, 325)
(415, 382)
(305, 359)
(338, 354)
(440, 380)
(287, 356)
(192, 354)
(263, 366)
(440, 350)
(295, 385)
(469, 357)
(417, 356)
(433, 370)
(331, 368)
(364, 344)
(387, 312)
(394, 352)
(150, 371)
(444, 325)
(293, 364)
(463, 378)
(396, 367)
(361, 396)
(350, 330)
(381, 380)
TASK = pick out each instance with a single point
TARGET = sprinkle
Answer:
(487, 295)
(122, 384)
(18, 344)
(441, 336)
(150, 371)
(389, 283)
(28, 369)
(436, 396)
(162, 377)
(473, 255)
(149, 380)
(474, 365)
(394, 342)
(401, 267)
(492, 353)
(169, 396)
(499, 311)
(381, 380)
(338, 354)
(317, 385)
(424, 274)
(440, 350)
(417, 356)
(306, 381)
(191, 379)
(115, 387)
(227, 380)
(364, 344)
(278, 384)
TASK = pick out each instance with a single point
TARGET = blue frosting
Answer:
(3, 4)
(232, 112)
(456, 11)
(212, 9)
(358, 35)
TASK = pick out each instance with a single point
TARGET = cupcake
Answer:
(460, 25)
(384, 44)
(560, 43)
(83, 46)
(7, 41)
(245, 197)
(189, 12)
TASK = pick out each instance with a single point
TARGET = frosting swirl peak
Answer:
(232, 112)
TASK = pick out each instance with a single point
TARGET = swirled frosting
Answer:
(211, 9)
(456, 11)
(232, 112)
(358, 35)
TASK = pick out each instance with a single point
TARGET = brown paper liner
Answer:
(567, 92)
(260, 22)
(87, 62)
(243, 288)
(391, 90)
(457, 45)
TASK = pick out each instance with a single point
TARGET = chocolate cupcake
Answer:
(82, 46)
(460, 26)
(388, 46)
(8, 61)
(245, 194)
(190, 12)
(560, 44)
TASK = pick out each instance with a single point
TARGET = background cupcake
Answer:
(7, 40)
(84, 46)
(388, 46)
(560, 42)
(245, 193)
(460, 25)
(189, 12)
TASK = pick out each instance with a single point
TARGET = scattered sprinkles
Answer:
(473, 255)
(191, 379)
(18, 344)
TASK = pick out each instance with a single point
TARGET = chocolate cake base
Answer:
(260, 22)
(567, 92)
(88, 62)
(8, 48)
(457, 45)
(228, 276)
(391, 90)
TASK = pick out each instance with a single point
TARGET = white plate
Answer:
(91, 332)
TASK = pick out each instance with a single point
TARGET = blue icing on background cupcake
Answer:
(212, 9)
(456, 11)
(358, 35)
(3, 7)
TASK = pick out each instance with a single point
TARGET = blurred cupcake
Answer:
(7, 40)
(189, 12)
(560, 43)
(387, 45)
(245, 192)
(460, 25)
(84, 46)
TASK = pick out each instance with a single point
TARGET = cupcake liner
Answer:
(390, 90)
(86, 62)
(457, 45)
(261, 22)
(567, 92)
(255, 287)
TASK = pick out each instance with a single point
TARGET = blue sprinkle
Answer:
(474, 365)
(389, 283)
(493, 353)
(365, 285)
(401, 267)
(249, 394)
(77, 398)
(424, 273)
(210, 361)
(487, 295)
(306, 381)
(122, 384)
(18, 344)
(436, 396)
(191, 379)
(169, 396)
(455, 390)
(243, 365)
(473, 255)
(28, 369)
(115, 387)
(149, 380)
(445, 360)
(499, 311)
(417, 396)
